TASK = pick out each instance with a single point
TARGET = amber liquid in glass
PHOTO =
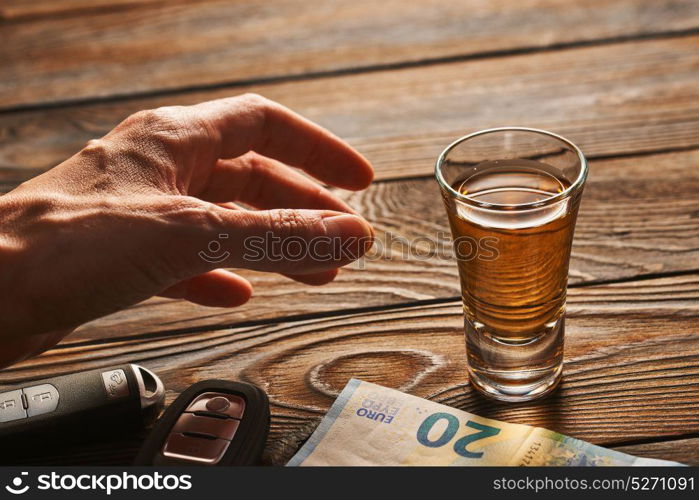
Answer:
(514, 297)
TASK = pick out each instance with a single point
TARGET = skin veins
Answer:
(127, 217)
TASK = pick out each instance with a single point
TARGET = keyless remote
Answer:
(214, 422)
(69, 407)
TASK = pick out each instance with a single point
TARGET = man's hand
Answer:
(127, 217)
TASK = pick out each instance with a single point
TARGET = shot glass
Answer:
(512, 197)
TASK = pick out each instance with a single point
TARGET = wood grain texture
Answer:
(399, 80)
(684, 451)
(631, 363)
(13, 10)
(146, 46)
(613, 100)
(645, 224)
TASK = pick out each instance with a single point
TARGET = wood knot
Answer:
(401, 369)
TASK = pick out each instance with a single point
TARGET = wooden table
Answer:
(399, 80)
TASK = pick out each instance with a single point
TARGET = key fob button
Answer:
(219, 404)
(224, 428)
(115, 384)
(11, 407)
(212, 401)
(195, 449)
(213, 422)
(41, 399)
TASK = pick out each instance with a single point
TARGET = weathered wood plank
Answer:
(684, 451)
(612, 100)
(631, 363)
(12, 10)
(638, 217)
(168, 45)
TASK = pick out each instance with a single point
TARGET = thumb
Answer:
(289, 241)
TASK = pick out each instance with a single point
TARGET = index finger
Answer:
(251, 122)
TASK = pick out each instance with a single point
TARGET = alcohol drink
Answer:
(514, 296)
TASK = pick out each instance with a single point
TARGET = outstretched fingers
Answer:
(199, 236)
(217, 288)
(253, 123)
(265, 183)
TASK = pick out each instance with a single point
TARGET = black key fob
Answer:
(214, 422)
(80, 405)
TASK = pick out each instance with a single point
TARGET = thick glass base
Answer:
(514, 392)
(515, 368)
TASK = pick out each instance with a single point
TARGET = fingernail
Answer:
(346, 226)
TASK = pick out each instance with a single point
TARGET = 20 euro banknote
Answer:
(373, 425)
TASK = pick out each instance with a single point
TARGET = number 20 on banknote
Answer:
(461, 445)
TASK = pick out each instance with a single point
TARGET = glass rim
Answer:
(575, 186)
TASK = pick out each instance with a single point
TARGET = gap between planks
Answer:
(346, 312)
(653, 440)
(356, 70)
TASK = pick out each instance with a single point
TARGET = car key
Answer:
(73, 407)
(214, 422)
